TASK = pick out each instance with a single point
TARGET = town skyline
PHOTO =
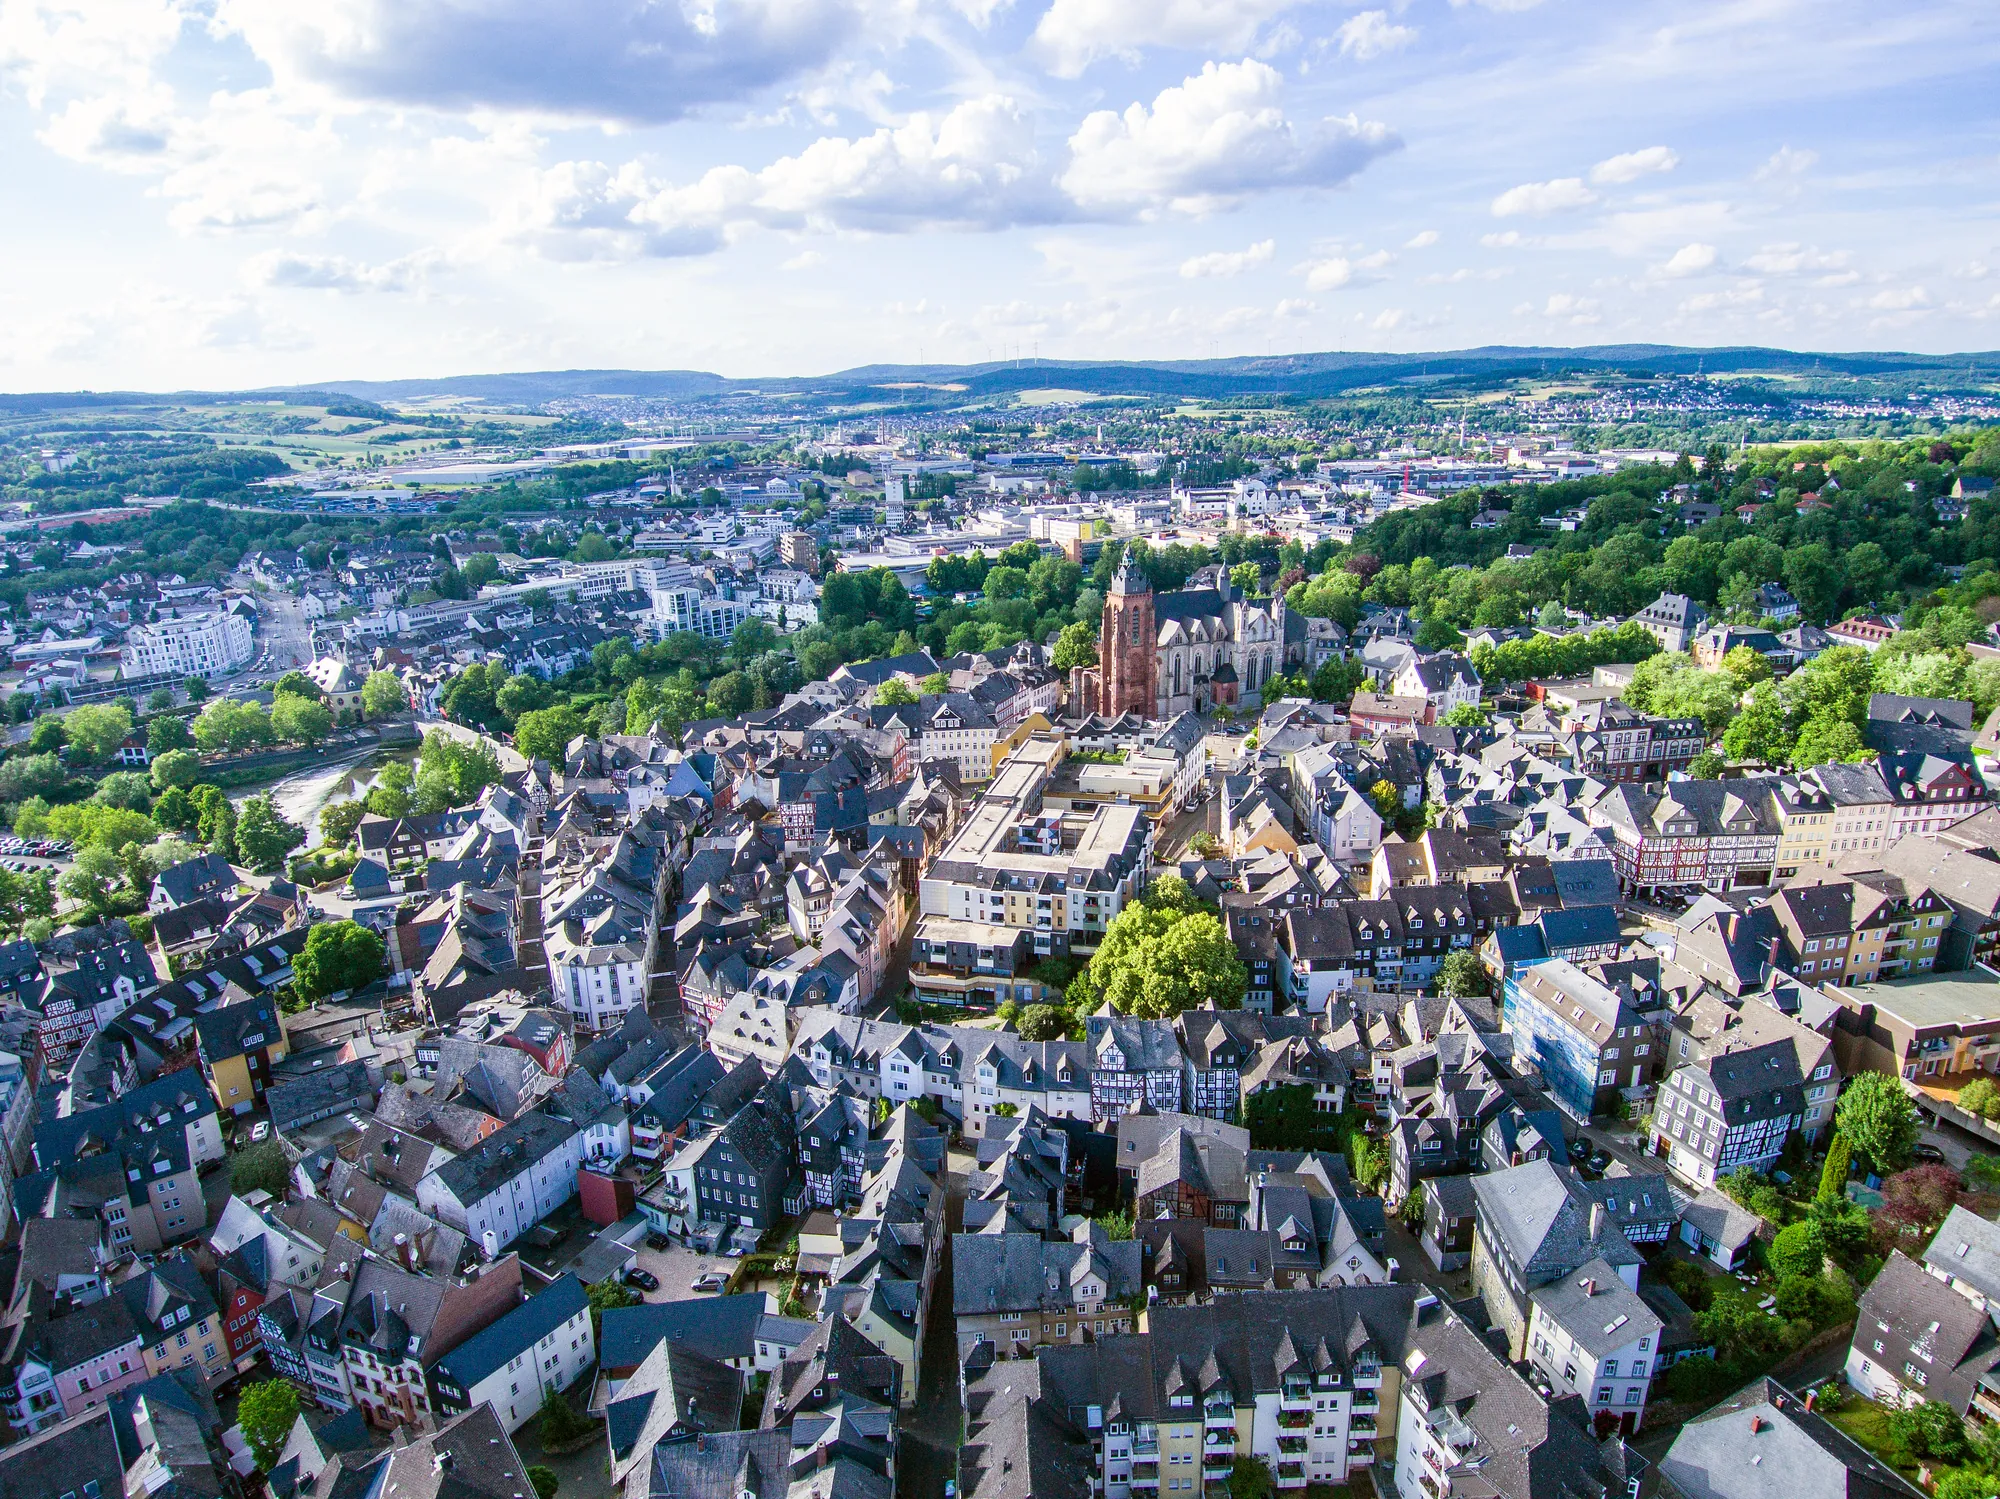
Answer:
(239, 198)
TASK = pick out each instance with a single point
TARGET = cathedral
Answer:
(1162, 655)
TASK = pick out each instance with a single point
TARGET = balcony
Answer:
(1359, 1454)
(1292, 1444)
(1369, 1407)
(1290, 1418)
(1362, 1431)
(1220, 1415)
(1291, 1475)
(1145, 1447)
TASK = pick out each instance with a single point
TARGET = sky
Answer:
(230, 193)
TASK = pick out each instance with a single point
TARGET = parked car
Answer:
(1599, 1159)
(1923, 1150)
(658, 1241)
(645, 1280)
(710, 1283)
(260, 1131)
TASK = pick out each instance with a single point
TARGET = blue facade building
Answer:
(1586, 1041)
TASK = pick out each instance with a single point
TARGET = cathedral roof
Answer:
(1130, 578)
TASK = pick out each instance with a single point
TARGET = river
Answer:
(299, 796)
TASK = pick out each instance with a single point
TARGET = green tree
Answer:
(337, 955)
(1824, 740)
(297, 684)
(383, 695)
(561, 1425)
(166, 733)
(1980, 1096)
(1387, 799)
(1369, 1159)
(1250, 1478)
(264, 837)
(1833, 1175)
(1043, 1023)
(523, 693)
(96, 730)
(124, 788)
(546, 734)
(1878, 1121)
(608, 1295)
(893, 694)
(261, 1167)
(1466, 716)
(338, 820)
(90, 879)
(175, 768)
(217, 826)
(1461, 975)
(300, 720)
(1798, 1249)
(47, 736)
(1156, 961)
(23, 776)
(393, 793)
(544, 1479)
(1076, 646)
(451, 772)
(196, 688)
(267, 1411)
(1932, 1430)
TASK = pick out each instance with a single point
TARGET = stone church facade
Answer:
(1162, 655)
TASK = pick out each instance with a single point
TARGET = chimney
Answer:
(1596, 1221)
(1756, 1423)
(404, 1257)
(1589, 1288)
(1771, 957)
(1811, 1395)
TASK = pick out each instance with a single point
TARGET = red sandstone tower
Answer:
(1125, 645)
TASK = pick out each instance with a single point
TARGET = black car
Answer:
(645, 1280)
(1924, 1151)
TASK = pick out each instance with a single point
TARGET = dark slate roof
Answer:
(503, 1155)
(723, 1327)
(515, 1333)
(194, 878)
(1541, 1214)
(1791, 1451)
(84, 1450)
(236, 1029)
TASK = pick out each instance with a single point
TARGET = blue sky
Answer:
(233, 192)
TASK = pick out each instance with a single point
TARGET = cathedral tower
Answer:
(1126, 644)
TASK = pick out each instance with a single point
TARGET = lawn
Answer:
(1867, 1421)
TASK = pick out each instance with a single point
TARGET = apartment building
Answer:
(508, 1182)
(512, 1364)
(1744, 1077)
(194, 645)
(1588, 1041)
(1021, 1292)
(1689, 833)
(1614, 741)
(601, 925)
(1919, 1028)
(395, 1325)
(1015, 863)
(1535, 1224)
(1591, 1336)
(1858, 928)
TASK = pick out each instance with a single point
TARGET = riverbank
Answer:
(299, 796)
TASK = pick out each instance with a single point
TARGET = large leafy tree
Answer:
(383, 694)
(266, 1411)
(1878, 1121)
(264, 836)
(1166, 954)
(545, 734)
(451, 772)
(300, 720)
(167, 732)
(337, 955)
(96, 730)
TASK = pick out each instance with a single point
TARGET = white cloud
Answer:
(1291, 307)
(1690, 260)
(805, 260)
(1785, 162)
(631, 62)
(1741, 297)
(1900, 299)
(1072, 34)
(1228, 262)
(1543, 197)
(1335, 271)
(1464, 273)
(1578, 310)
(1422, 240)
(1208, 143)
(1508, 239)
(1371, 33)
(1795, 260)
(1392, 317)
(285, 268)
(1633, 165)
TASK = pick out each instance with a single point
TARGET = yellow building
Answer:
(237, 1044)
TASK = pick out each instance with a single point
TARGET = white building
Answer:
(200, 645)
(601, 928)
(1591, 1335)
(508, 1182)
(543, 1344)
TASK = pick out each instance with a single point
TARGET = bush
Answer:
(1697, 1379)
(1797, 1251)
(545, 1481)
(263, 1166)
(561, 1424)
(1981, 1097)
(1930, 1430)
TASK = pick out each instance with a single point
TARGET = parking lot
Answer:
(677, 1267)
